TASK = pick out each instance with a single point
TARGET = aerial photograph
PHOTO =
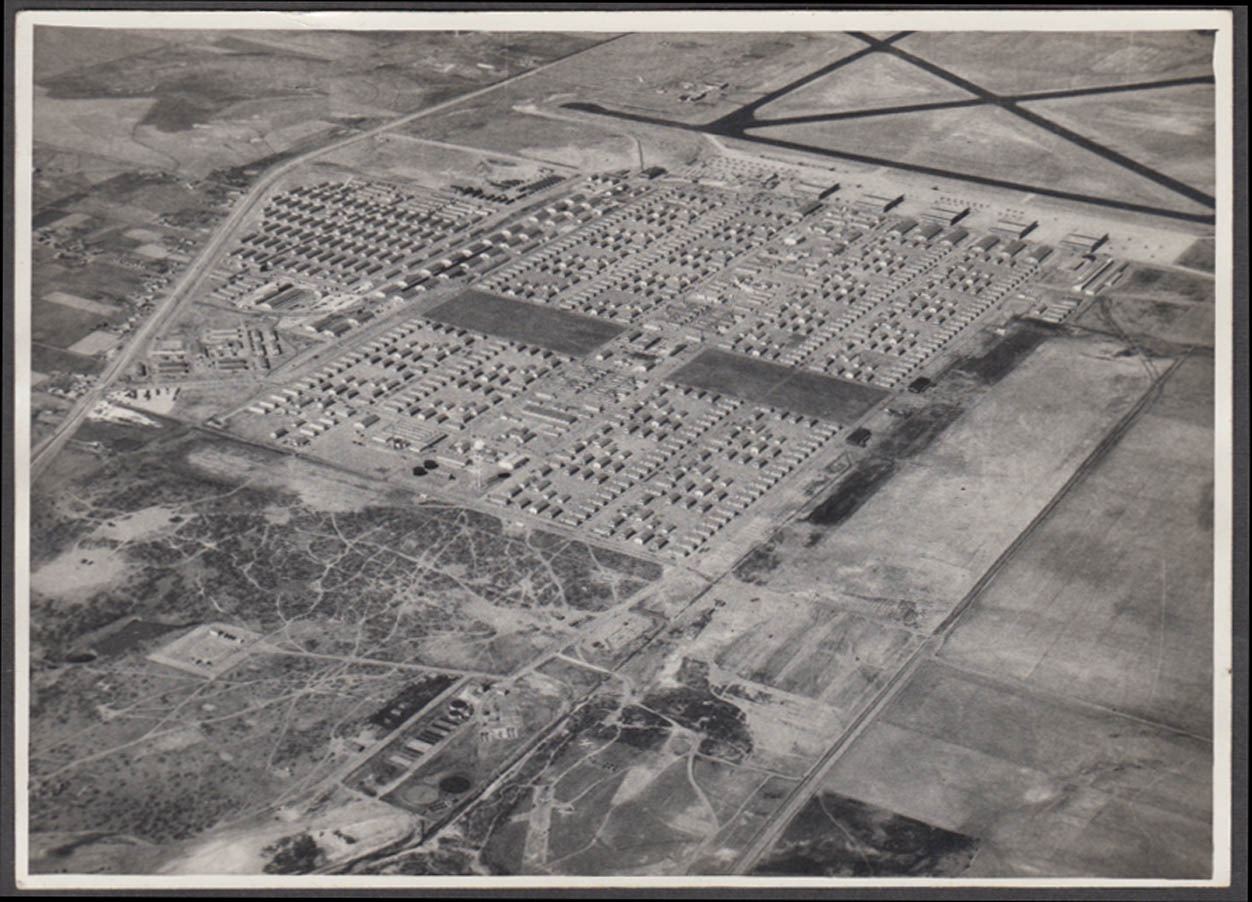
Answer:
(734, 455)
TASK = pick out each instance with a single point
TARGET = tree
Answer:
(296, 854)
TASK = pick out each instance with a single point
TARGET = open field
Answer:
(47, 359)
(1064, 727)
(105, 125)
(518, 132)
(392, 156)
(919, 543)
(60, 174)
(455, 52)
(115, 193)
(59, 325)
(789, 388)
(1110, 601)
(96, 342)
(875, 81)
(61, 50)
(1169, 129)
(1045, 784)
(199, 101)
(556, 330)
(1012, 62)
(96, 308)
(983, 141)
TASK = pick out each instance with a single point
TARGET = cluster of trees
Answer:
(295, 854)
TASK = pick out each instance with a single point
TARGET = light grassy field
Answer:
(1111, 600)
(1050, 787)
(61, 50)
(928, 535)
(877, 80)
(1011, 62)
(1064, 724)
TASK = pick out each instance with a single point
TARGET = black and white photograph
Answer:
(626, 449)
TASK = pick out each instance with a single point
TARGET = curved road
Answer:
(186, 286)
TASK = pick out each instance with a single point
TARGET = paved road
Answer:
(186, 286)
